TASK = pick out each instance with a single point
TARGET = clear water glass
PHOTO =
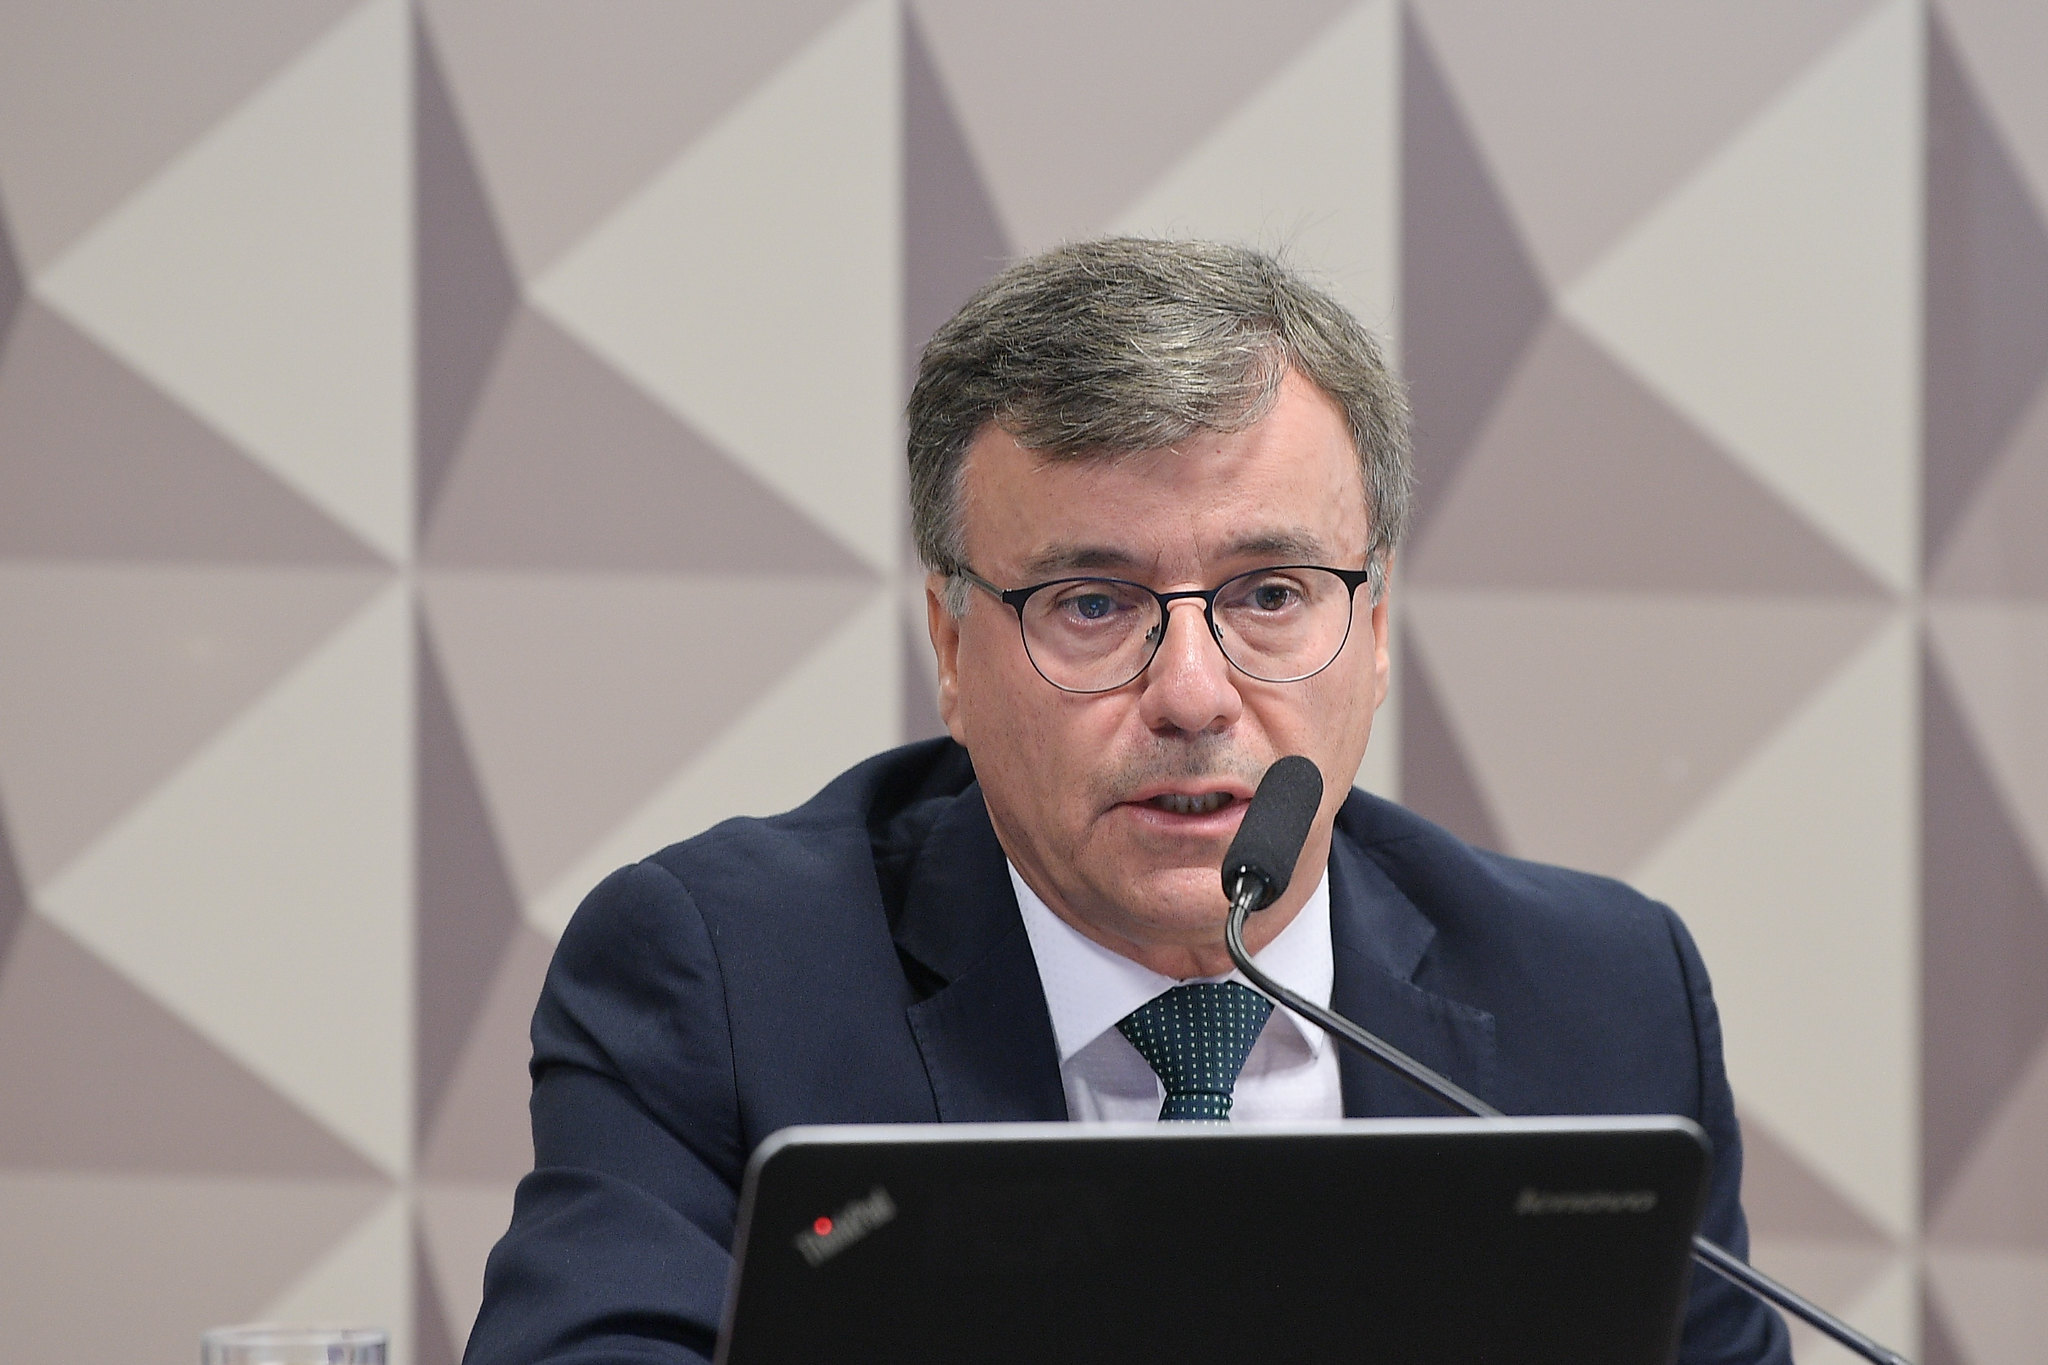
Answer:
(269, 1343)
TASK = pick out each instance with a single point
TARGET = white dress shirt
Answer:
(1290, 1075)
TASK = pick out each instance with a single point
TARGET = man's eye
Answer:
(1091, 606)
(1275, 596)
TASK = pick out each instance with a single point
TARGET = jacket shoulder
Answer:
(1472, 894)
(860, 825)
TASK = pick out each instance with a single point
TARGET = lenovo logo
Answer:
(1532, 1202)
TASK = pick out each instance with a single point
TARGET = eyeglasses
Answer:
(1279, 624)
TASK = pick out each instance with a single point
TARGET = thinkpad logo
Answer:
(830, 1234)
(1532, 1202)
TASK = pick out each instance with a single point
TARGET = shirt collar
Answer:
(1088, 988)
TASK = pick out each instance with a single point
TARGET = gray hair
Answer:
(1123, 344)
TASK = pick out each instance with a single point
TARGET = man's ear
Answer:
(945, 633)
(1381, 634)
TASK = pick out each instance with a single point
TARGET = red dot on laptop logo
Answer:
(823, 1227)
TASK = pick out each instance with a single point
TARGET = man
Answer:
(1158, 487)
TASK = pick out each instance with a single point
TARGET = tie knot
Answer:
(1196, 1038)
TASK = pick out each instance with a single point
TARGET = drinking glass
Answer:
(270, 1343)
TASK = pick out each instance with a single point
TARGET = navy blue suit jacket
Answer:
(861, 960)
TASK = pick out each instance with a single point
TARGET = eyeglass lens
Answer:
(1277, 625)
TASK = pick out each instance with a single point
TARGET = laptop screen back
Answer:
(1528, 1241)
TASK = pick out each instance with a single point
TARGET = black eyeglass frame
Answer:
(1015, 598)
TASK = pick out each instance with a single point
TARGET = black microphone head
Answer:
(1274, 828)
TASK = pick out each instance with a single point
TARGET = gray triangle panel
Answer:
(566, 465)
(468, 910)
(1436, 781)
(97, 463)
(10, 275)
(1584, 479)
(433, 1341)
(1997, 547)
(1984, 944)
(1470, 295)
(952, 238)
(1784, 1197)
(98, 1077)
(481, 1130)
(1986, 291)
(466, 287)
(1937, 1338)
(13, 890)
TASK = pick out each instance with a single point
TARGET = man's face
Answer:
(1079, 786)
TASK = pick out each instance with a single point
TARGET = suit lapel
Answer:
(985, 1034)
(1378, 939)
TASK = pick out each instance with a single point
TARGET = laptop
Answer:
(1547, 1241)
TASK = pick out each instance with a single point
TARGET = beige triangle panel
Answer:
(466, 287)
(1738, 299)
(952, 238)
(767, 309)
(481, 1130)
(1139, 67)
(132, 1268)
(1986, 291)
(1330, 205)
(115, 675)
(1595, 724)
(1586, 132)
(1985, 943)
(101, 1078)
(566, 465)
(1470, 296)
(96, 463)
(1436, 780)
(304, 285)
(1999, 548)
(128, 89)
(572, 108)
(1584, 479)
(466, 910)
(580, 695)
(1998, 1198)
(263, 891)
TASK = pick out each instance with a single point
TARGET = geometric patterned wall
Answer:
(397, 401)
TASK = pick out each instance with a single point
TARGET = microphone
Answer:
(1268, 844)
(1256, 871)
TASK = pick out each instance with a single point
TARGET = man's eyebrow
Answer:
(1289, 546)
(1055, 560)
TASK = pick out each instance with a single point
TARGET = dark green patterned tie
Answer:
(1197, 1037)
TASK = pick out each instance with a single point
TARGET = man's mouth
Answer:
(1179, 803)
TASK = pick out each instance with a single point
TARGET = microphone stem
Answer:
(1704, 1252)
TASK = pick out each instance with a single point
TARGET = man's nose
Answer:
(1189, 686)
